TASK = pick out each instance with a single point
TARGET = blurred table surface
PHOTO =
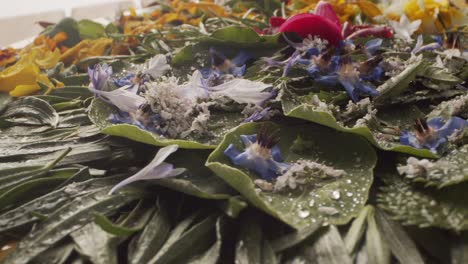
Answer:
(18, 18)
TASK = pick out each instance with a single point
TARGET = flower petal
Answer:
(156, 169)
(324, 9)
(313, 25)
(242, 91)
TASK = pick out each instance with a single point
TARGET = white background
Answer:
(11, 8)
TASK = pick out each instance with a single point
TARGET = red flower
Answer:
(314, 25)
(323, 24)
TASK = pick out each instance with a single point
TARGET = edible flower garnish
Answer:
(261, 155)
(432, 133)
(350, 78)
(156, 169)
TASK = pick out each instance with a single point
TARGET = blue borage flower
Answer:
(156, 169)
(349, 77)
(261, 155)
(433, 133)
(419, 47)
(132, 108)
(221, 65)
(372, 46)
(155, 67)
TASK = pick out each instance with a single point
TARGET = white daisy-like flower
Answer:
(405, 28)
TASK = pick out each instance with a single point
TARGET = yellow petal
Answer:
(18, 74)
(86, 48)
(48, 59)
(24, 89)
(368, 8)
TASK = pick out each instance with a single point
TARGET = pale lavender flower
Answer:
(156, 169)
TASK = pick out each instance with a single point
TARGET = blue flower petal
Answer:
(350, 89)
(453, 125)
(373, 45)
(268, 168)
(328, 79)
(241, 58)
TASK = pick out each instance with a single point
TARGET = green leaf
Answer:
(249, 240)
(105, 224)
(57, 255)
(72, 92)
(145, 245)
(302, 207)
(447, 171)
(33, 188)
(330, 248)
(32, 111)
(12, 183)
(398, 84)
(91, 30)
(457, 106)
(377, 248)
(459, 250)
(211, 256)
(100, 112)
(401, 245)
(414, 205)
(441, 75)
(96, 244)
(198, 181)
(239, 38)
(49, 203)
(294, 238)
(5, 99)
(356, 231)
(68, 219)
(307, 112)
(197, 238)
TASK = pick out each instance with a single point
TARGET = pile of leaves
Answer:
(291, 148)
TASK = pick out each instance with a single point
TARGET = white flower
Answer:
(156, 66)
(156, 169)
(123, 99)
(405, 28)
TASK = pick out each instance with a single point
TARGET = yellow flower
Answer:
(84, 49)
(7, 56)
(344, 9)
(435, 15)
(22, 77)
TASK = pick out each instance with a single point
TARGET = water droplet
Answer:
(335, 195)
(304, 213)
(328, 210)
(349, 194)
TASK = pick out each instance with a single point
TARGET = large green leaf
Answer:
(90, 30)
(68, 219)
(43, 206)
(32, 111)
(96, 244)
(310, 113)
(401, 245)
(334, 201)
(146, 244)
(190, 243)
(413, 204)
(229, 38)
(398, 84)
